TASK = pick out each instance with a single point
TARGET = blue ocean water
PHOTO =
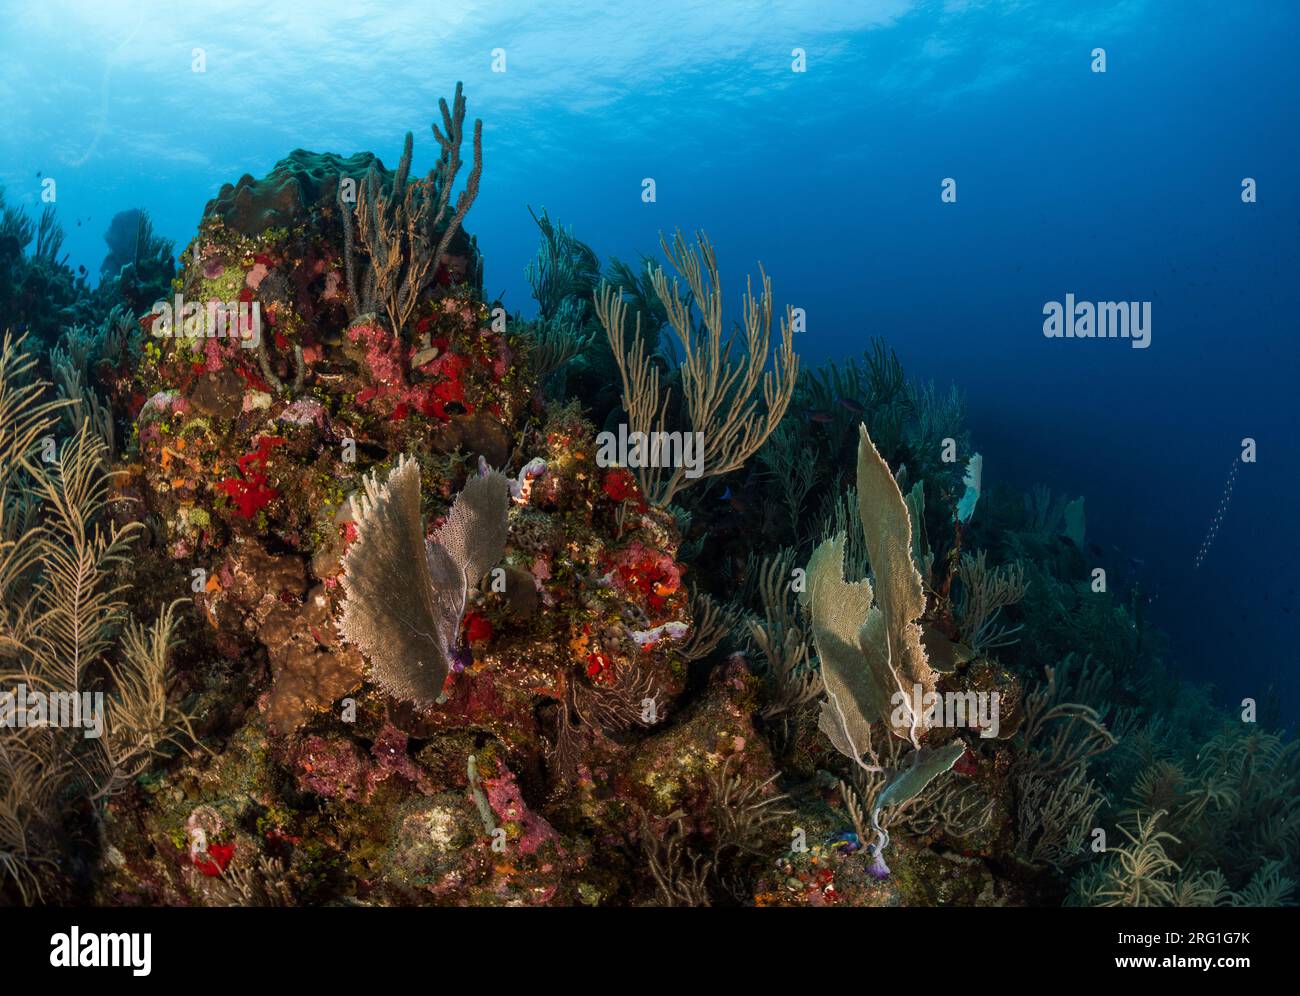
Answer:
(1122, 185)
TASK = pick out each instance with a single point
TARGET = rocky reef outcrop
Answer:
(534, 777)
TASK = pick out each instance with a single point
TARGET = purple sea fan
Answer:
(878, 869)
(405, 596)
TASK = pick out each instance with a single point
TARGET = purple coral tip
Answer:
(462, 658)
(878, 869)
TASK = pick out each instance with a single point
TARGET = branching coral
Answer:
(1144, 872)
(64, 636)
(792, 469)
(720, 390)
(985, 592)
(77, 608)
(687, 865)
(146, 718)
(783, 638)
(1267, 887)
(1056, 801)
(563, 275)
(39, 292)
(681, 874)
(710, 623)
(267, 883)
(872, 390)
(839, 516)
(1066, 616)
(1064, 734)
(30, 784)
(1233, 817)
(551, 344)
(1140, 873)
(405, 228)
(938, 417)
(69, 364)
(951, 809)
(1056, 815)
(629, 699)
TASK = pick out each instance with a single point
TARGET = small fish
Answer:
(849, 405)
(726, 494)
(820, 417)
(846, 841)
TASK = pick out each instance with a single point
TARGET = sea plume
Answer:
(406, 596)
(66, 630)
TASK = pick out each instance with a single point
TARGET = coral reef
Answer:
(376, 621)
(39, 292)
(140, 265)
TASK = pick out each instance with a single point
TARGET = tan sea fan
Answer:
(872, 658)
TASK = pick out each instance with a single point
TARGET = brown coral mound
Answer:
(356, 648)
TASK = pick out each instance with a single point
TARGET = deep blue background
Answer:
(1117, 186)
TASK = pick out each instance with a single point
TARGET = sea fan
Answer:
(870, 647)
(873, 663)
(406, 596)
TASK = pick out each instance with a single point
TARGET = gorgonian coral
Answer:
(406, 596)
